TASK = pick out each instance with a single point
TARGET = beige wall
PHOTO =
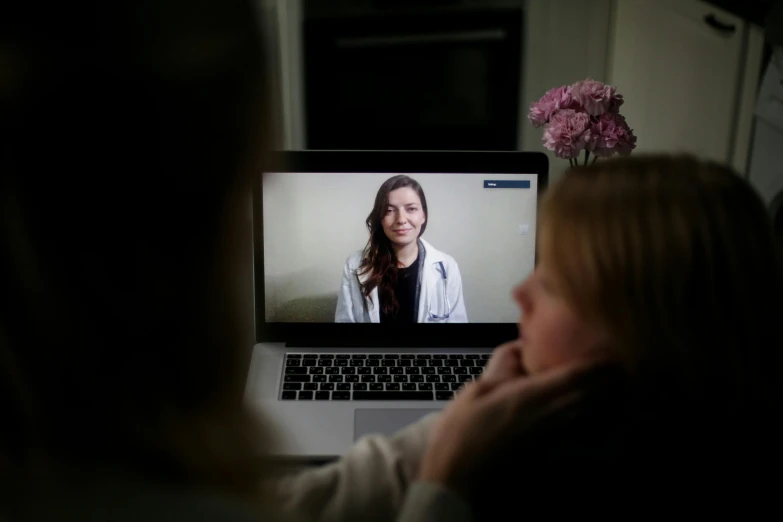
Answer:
(313, 222)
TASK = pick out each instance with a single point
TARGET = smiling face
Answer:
(403, 216)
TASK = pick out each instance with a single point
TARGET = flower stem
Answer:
(587, 156)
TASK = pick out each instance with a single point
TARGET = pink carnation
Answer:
(567, 133)
(610, 135)
(596, 97)
(554, 99)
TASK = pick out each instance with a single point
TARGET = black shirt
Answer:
(405, 290)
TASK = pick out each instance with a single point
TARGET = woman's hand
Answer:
(489, 417)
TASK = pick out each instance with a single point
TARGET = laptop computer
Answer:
(338, 357)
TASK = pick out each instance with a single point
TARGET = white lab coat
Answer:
(352, 307)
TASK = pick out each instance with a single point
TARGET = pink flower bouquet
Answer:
(583, 116)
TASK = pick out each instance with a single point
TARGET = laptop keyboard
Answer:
(374, 376)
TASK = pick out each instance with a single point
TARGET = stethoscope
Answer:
(445, 296)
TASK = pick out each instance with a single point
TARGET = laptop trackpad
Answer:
(384, 421)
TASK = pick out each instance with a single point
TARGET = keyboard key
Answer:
(347, 371)
(423, 356)
(464, 378)
(327, 356)
(315, 371)
(444, 395)
(376, 386)
(341, 362)
(375, 356)
(335, 378)
(388, 362)
(407, 356)
(435, 362)
(456, 356)
(309, 362)
(368, 378)
(289, 395)
(343, 386)
(343, 356)
(457, 385)
(293, 362)
(416, 378)
(467, 362)
(332, 371)
(295, 371)
(358, 356)
(451, 362)
(400, 378)
(360, 386)
(481, 362)
(324, 362)
(351, 378)
(393, 396)
(322, 395)
(412, 371)
(392, 386)
(448, 378)
(419, 363)
(476, 370)
(460, 371)
(294, 355)
(310, 356)
(473, 356)
(292, 386)
(442, 386)
(444, 370)
(404, 363)
(433, 378)
(312, 386)
(409, 386)
(380, 371)
(296, 378)
(425, 386)
(486, 356)
(428, 371)
(397, 370)
(373, 363)
(384, 378)
(327, 386)
(305, 395)
(357, 362)
(440, 356)
(341, 396)
(364, 371)
(319, 378)
(391, 356)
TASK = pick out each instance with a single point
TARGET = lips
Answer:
(403, 231)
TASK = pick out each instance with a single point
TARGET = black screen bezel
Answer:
(365, 335)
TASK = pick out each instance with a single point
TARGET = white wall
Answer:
(313, 222)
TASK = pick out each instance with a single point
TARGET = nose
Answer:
(402, 218)
(522, 296)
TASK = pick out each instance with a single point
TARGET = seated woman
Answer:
(666, 265)
(400, 278)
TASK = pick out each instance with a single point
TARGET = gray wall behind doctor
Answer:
(313, 222)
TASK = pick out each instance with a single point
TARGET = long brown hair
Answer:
(121, 354)
(379, 261)
(677, 258)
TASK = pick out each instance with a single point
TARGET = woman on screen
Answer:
(398, 277)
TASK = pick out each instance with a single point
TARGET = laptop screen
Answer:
(446, 248)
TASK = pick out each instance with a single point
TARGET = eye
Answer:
(389, 210)
(412, 209)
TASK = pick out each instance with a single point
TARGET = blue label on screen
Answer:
(507, 183)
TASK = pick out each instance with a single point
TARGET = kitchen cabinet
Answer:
(688, 71)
